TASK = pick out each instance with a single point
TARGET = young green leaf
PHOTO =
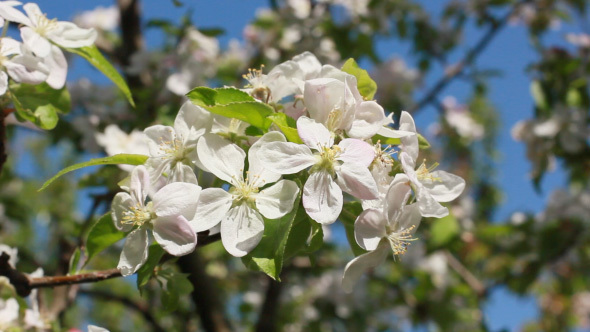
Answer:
(102, 235)
(74, 260)
(93, 55)
(306, 236)
(444, 230)
(268, 255)
(367, 87)
(423, 142)
(127, 159)
(40, 103)
(287, 125)
(147, 270)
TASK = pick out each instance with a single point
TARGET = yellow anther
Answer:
(423, 172)
(400, 240)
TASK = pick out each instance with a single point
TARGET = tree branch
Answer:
(477, 286)
(469, 58)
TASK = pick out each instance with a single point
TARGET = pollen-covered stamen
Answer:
(255, 79)
(400, 240)
(44, 25)
(384, 155)
(245, 190)
(327, 158)
(137, 215)
(423, 172)
(173, 149)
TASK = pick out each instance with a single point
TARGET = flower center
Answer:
(255, 79)
(327, 159)
(423, 172)
(244, 190)
(138, 215)
(44, 25)
(174, 150)
(400, 240)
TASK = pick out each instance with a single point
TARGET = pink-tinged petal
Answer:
(135, 252)
(139, 187)
(3, 83)
(175, 235)
(278, 199)
(257, 173)
(410, 143)
(221, 157)
(192, 122)
(213, 205)
(357, 181)
(429, 207)
(178, 198)
(38, 44)
(445, 187)
(321, 96)
(157, 137)
(356, 151)
(26, 69)
(396, 198)
(70, 35)
(369, 229)
(241, 230)
(368, 119)
(315, 135)
(58, 68)
(285, 157)
(356, 267)
(410, 218)
(121, 204)
(322, 198)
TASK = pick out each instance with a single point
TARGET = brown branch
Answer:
(469, 58)
(478, 287)
(140, 307)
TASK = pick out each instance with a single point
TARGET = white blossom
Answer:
(20, 66)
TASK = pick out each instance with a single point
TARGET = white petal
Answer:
(356, 151)
(212, 206)
(409, 165)
(26, 69)
(3, 83)
(70, 35)
(182, 173)
(369, 228)
(37, 43)
(309, 65)
(9, 46)
(241, 230)
(356, 267)
(277, 200)
(33, 12)
(285, 157)
(178, 198)
(221, 157)
(121, 204)
(175, 235)
(388, 132)
(322, 198)
(192, 122)
(367, 121)
(157, 136)
(94, 328)
(58, 68)
(446, 186)
(396, 198)
(12, 14)
(321, 96)
(410, 217)
(357, 181)
(410, 143)
(135, 252)
(429, 207)
(256, 168)
(315, 135)
(140, 184)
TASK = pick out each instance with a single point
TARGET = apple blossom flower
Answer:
(378, 230)
(41, 35)
(8, 313)
(458, 117)
(34, 318)
(11, 252)
(334, 167)
(20, 66)
(173, 150)
(240, 209)
(167, 215)
(8, 12)
(115, 141)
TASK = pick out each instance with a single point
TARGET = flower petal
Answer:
(277, 200)
(322, 198)
(157, 136)
(446, 186)
(410, 143)
(356, 267)
(410, 217)
(429, 207)
(221, 157)
(70, 35)
(121, 204)
(396, 199)
(368, 119)
(175, 235)
(315, 135)
(369, 228)
(357, 181)
(139, 187)
(177, 198)
(192, 122)
(58, 68)
(12, 14)
(356, 151)
(241, 230)
(182, 173)
(26, 69)
(3, 83)
(135, 252)
(322, 95)
(285, 157)
(257, 173)
(212, 206)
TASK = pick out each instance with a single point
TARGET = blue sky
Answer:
(510, 51)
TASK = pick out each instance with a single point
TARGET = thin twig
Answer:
(478, 287)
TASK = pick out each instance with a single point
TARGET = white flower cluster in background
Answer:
(38, 58)
(336, 151)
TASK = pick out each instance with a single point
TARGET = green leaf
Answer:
(173, 284)
(443, 230)
(350, 211)
(127, 159)
(287, 125)
(423, 142)
(367, 87)
(269, 253)
(303, 228)
(40, 103)
(102, 235)
(93, 55)
(147, 270)
(232, 103)
(539, 95)
(74, 260)
(385, 140)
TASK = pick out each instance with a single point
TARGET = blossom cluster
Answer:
(336, 146)
(39, 57)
